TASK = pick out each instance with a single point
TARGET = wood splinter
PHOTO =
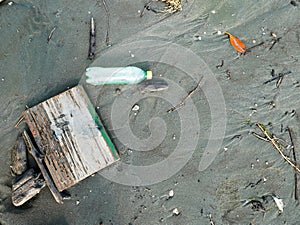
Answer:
(39, 160)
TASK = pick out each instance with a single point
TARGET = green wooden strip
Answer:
(102, 130)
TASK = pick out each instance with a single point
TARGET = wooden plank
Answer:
(38, 157)
(68, 131)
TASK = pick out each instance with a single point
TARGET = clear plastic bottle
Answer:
(116, 75)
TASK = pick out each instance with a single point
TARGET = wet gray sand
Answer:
(205, 151)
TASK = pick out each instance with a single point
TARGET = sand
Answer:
(205, 151)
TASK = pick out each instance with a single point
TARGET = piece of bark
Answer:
(19, 158)
(28, 185)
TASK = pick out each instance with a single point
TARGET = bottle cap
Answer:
(148, 74)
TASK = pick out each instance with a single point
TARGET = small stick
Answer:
(108, 23)
(92, 39)
(272, 72)
(39, 160)
(228, 74)
(276, 145)
(254, 46)
(145, 7)
(295, 161)
(186, 97)
(277, 77)
(274, 42)
(148, 7)
(279, 81)
(259, 137)
(51, 34)
(211, 220)
(220, 65)
(19, 121)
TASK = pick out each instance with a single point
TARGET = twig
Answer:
(220, 65)
(276, 40)
(295, 162)
(108, 23)
(280, 78)
(254, 46)
(228, 73)
(272, 72)
(185, 98)
(270, 137)
(259, 137)
(146, 6)
(254, 184)
(211, 221)
(51, 34)
(277, 77)
(92, 39)
(19, 121)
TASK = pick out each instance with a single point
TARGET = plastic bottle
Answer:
(116, 75)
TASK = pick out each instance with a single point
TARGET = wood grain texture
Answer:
(70, 135)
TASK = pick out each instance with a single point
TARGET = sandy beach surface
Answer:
(199, 164)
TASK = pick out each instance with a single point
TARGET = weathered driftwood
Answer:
(154, 85)
(39, 160)
(19, 158)
(27, 186)
(22, 179)
(70, 135)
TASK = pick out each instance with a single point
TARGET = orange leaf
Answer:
(236, 43)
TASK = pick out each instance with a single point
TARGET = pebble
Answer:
(131, 54)
(118, 91)
(175, 212)
(273, 35)
(171, 193)
(135, 107)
